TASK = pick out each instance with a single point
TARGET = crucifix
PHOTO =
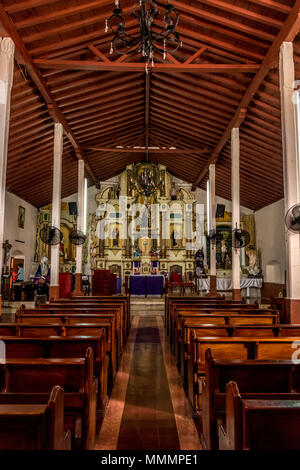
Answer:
(6, 247)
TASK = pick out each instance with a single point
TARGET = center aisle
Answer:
(148, 409)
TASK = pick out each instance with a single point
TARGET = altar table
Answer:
(225, 284)
(146, 285)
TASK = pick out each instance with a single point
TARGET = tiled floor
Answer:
(148, 409)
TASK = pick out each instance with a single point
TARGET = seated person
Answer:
(42, 291)
(20, 277)
(18, 282)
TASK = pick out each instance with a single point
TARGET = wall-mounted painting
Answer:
(21, 217)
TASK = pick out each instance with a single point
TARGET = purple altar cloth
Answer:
(146, 285)
(119, 285)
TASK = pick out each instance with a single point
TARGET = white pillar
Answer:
(7, 49)
(80, 227)
(212, 216)
(235, 196)
(56, 206)
(291, 174)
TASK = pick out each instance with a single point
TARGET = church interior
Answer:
(150, 225)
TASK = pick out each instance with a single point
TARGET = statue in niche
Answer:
(224, 253)
(62, 248)
(115, 236)
(174, 238)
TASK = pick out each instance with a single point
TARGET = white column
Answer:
(7, 49)
(290, 167)
(80, 212)
(212, 210)
(56, 206)
(235, 196)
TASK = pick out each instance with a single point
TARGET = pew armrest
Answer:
(223, 438)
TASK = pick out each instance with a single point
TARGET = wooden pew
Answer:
(108, 367)
(190, 300)
(237, 308)
(75, 376)
(30, 425)
(82, 311)
(234, 330)
(226, 317)
(100, 300)
(231, 349)
(113, 346)
(201, 302)
(61, 348)
(256, 378)
(94, 307)
(260, 424)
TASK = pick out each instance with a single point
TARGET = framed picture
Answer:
(21, 217)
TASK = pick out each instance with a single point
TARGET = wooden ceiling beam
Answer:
(287, 33)
(220, 20)
(243, 12)
(150, 149)
(36, 77)
(59, 14)
(273, 5)
(95, 66)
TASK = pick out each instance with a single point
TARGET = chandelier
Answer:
(147, 42)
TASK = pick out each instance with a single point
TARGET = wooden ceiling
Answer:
(224, 76)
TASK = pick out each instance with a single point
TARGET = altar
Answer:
(225, 284)
(146, 285)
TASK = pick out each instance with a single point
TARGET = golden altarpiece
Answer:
(171, 204)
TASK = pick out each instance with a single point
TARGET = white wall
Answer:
(12, 232)
(270, 240)
(200, 196)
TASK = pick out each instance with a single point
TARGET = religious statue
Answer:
(6, 247)
(44, 266)
(115, 236)
(253, 268)
(199, 260)
(136, 254)
(174, 238)
(62, 248)
(223, 251)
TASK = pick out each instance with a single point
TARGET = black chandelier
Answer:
(148, 42)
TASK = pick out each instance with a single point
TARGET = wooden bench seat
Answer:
(179, 312)
(260, 423)
(229, 318)
(38, 376)
(27, 424)
(118, 300)
(61, 348)
(105, 313)
(80, 329)
(175, 308)
(255, 378)
(172, 301)
(235, 330)
(66, 320)
(231, 349)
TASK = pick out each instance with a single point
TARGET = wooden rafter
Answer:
(37, 78)
(151, 149)
(287, 33)
(92, 65)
